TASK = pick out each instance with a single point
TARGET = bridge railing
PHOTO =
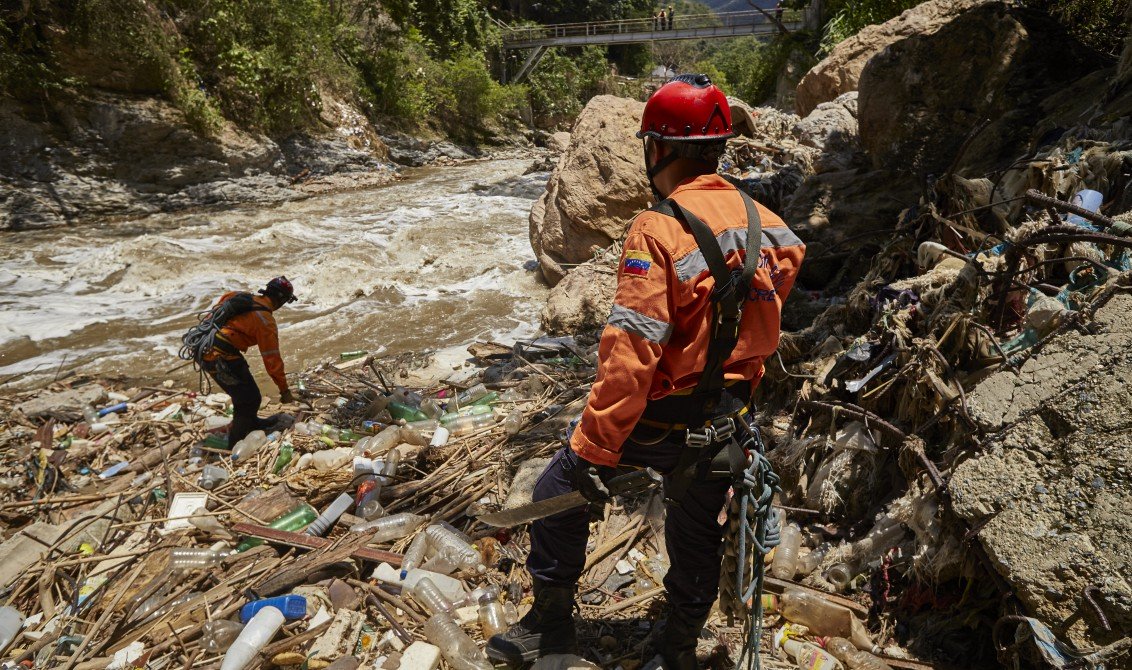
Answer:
(519, 35)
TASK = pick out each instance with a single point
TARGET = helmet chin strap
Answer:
(655, 170)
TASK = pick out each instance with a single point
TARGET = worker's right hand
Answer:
(286, 397)
(590, 480)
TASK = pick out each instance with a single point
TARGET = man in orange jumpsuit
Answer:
(695, 315)
(253, 326)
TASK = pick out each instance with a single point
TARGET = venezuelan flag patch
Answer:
(637, 263)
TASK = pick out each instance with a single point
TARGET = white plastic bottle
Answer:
(328, 518)
(255, 636)
(453, 589)
(389, 528)
(247, 447)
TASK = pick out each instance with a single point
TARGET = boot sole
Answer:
(519, 660)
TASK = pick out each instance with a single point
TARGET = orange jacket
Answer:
(256, 328)
(656, 339)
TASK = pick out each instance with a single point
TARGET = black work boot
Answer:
(547, 629)
(677, 647)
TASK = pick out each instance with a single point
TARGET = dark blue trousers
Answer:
(691, 530)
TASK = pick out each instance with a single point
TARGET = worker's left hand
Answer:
(286, 397)
(590, 480)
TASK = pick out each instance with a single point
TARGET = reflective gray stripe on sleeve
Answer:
(632, 321)
(730, 240)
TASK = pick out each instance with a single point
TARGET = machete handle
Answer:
(633, 482)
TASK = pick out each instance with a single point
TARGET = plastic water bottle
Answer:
(430, 597)
(513, 423)
(255, 636)
(452, 588)
(471, 395)
(431, 408)
(415, 554)
(449, 545)
(455, 645)
(187, 558)
(812, 561)
(366, 502)
(470, 424)
(327, 519)
(390, 528)
(847, 653)
(823, 617)
(11, 621)
(248, 446)
(493, 619)
(217, 636)
(811, 657)
(786, 555)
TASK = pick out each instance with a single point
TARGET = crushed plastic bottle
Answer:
(430, 597)
(513, 423)
(203, 520)
(493, 619)
(455, 645)
(247, 447)
(390, 528)
(431, 408)
(823, 617)
(449, 545)
(452, 588)
(218, 636)
(330, 516)
(853, 658)
(254, 637)
(786, 555)
(415, 554)
(812, 561)
(332, 459)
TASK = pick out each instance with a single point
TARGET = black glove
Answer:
(590, 480)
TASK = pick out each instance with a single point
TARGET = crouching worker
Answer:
(700, 289)
(237, 322)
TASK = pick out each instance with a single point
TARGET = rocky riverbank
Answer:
(111, 155)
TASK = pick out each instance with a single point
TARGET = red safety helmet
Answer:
(687, 109)
(280, 287)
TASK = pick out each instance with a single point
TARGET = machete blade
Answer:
(634, 482)
(533, 511)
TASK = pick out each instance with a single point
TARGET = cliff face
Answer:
(125, 154)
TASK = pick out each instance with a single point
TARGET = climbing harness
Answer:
(202, 338)
(752, 526)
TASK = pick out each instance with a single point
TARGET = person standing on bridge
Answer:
(695, 315)
(660, 18)
(671, 13)
(778, 11)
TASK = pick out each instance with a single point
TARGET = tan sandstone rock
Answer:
(840, 71)
(596, 189)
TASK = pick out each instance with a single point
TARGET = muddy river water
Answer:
(437, 259)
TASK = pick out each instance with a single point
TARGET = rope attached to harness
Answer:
(200, 339)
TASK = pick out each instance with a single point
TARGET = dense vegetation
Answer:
(418, 65)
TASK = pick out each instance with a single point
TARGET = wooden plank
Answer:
(302, 541)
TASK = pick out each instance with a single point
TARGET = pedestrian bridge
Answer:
(539, 38)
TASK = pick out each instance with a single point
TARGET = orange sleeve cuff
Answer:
(593, 453)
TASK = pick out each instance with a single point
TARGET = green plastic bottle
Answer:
(350, 355)
(406, 412)
(215, 441)
(487, 399)
(293, 521)
(285, 453)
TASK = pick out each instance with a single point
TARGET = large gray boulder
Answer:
(595, 191)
